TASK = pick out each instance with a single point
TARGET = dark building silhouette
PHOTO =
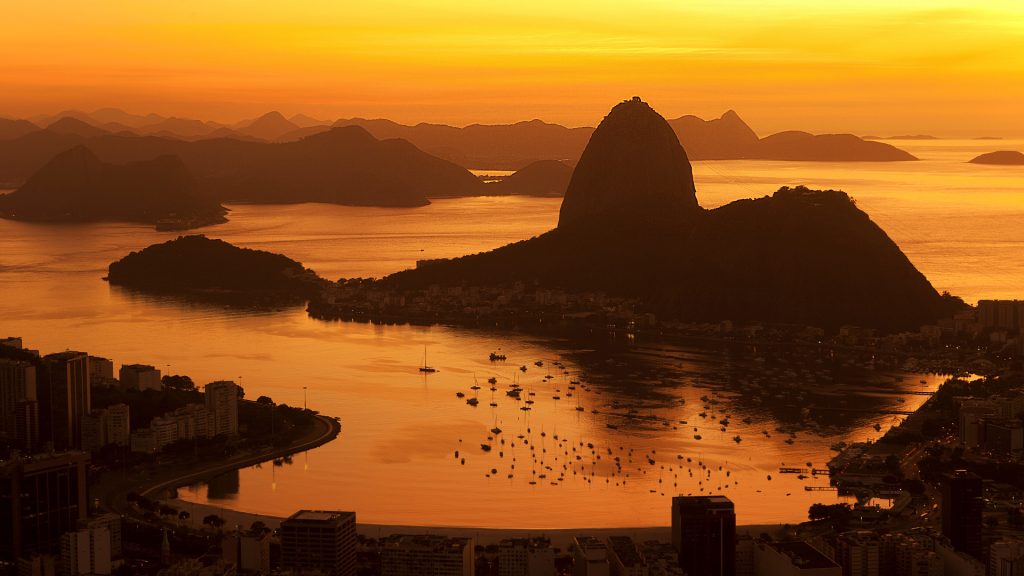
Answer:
(26, 426)
(17, 401)
(704, 534)
(41, 498)
(962, 508)
(319, 540)
(64, 398)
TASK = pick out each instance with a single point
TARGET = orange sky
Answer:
(874, 66)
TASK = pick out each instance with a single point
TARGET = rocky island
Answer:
(630, 226)
(1002, 157)
(75, 186)
(208, 269)
(540, 178)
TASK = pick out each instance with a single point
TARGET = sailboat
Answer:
(425, 368)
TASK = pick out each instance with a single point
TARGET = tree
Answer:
(177, 382)
(265, 400)
(213, 521)
(831, 512)
(259, 527)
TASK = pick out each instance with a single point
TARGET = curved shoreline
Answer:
(329, 431)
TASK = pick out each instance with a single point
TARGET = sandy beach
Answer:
(482, 536)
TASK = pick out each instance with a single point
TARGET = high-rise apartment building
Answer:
(222, 404)
(962, 507)
(140, 377)
(704, 534)
(41, 498)
(67, 398)
(319, 540)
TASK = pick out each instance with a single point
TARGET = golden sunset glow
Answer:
(955, 68)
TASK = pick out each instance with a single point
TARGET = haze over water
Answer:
(962, 225)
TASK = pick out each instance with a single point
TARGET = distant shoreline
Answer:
(560, 537)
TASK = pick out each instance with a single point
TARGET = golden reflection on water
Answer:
(962, 225)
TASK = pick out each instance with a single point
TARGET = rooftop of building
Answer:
(533, 543)
(803, 555)
(860, 536)
(431, 542)
(625, 550)
(703, 501)
(323, 516)
(589, 543)
(138, 367)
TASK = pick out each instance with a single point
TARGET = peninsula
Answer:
(631, 227)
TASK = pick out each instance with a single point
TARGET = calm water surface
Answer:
(962, 225)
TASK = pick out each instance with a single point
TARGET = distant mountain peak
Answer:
(70, 125)
(272, 116)
(633, 168)
(270, 126)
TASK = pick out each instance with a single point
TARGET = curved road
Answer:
(329, 430)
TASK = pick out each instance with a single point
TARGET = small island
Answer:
(547, 178)
(1002, 158)
(209, 269)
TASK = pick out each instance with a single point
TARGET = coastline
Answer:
(560, 537)
(111, 492)
(329, 430)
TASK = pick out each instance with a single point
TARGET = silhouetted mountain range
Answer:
(10, 129)
(516, 145)
(505, 146)
(630, 226)
(1003, 157)
(498, 146)
(75, 187)
(200, 266)
(342, 165)
(75, 127)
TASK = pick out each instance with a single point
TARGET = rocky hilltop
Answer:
(630, 226)
(633, 167)
(76, 187)
(1002, 157)
(724, 138)
(197, 266)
